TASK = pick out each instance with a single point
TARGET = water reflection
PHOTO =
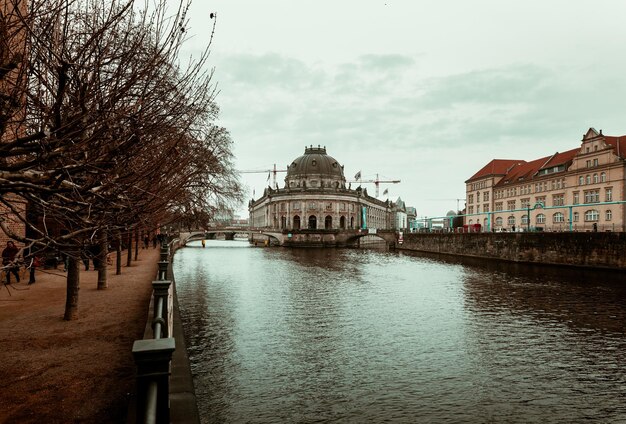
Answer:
(301, 335)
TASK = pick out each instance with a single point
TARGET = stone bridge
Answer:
(295, 238)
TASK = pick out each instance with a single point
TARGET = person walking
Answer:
(9, 261)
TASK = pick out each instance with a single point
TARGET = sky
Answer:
(426, 92)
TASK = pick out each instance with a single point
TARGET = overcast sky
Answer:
(426, 92)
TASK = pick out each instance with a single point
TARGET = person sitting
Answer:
(9, 261)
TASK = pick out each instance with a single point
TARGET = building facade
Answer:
(315, 196)
(583, 189)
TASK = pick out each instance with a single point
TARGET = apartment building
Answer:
(582, 189)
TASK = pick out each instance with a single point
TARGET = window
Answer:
(486, 196)
(486, 207)
(576, 216)
(608, 194)
(603, 177)
(595, 178)
(329, 206)
(498, 206)
(595, 161)
(592, 196)
(511, 220)
(525, 203)
(581, 180)
(558, 200)
(312, 205)
(470, 198)
(558, 217)
(591, 215)
(510, 205)
(541, 218)
(576, 198)
(609, 215)
(541, 199)
(499, 221)
(470, 210)
(296, 206)
(588, 179)
(588, 162)
(477, 208)
(524, 219)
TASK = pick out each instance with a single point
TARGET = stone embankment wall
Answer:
(604, 250)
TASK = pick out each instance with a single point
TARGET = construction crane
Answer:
(377, 182)
(272, 172)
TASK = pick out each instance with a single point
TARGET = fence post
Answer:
(161, 291)
(163, 265)
(152, 357)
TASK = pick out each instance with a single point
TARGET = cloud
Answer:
(378, 113)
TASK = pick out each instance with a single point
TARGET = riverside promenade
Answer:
(56, 371)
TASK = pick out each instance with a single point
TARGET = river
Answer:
(358, 335)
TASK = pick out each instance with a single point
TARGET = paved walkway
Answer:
(55, 371)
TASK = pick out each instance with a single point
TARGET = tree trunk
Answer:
(129, 257)
(102, 259)
(136, 243)
(118, 259)
(73, 281)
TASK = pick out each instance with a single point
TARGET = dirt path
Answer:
(55, 371)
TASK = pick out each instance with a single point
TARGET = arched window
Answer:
(328, 222)
(499, 221)
(595, 178)
(471, 221)
(312, 222)
(591, 215)
(581, 180)
(296, 222)
(342, 222)
(575, 216)
(609, 215)
(524, 219)
(603, 177)
(558, 217)
(541, 218)
(283, 222)
(352, 222)
(511, 220)
(588, 179)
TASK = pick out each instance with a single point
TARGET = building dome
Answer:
(315, 169)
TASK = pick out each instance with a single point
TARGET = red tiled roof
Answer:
(495, 167)
(561, 158)
(524, 170)
(519, 170)
(618, 144)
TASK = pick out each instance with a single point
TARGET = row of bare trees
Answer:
(103, 128)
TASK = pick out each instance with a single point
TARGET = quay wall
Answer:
(599, 250)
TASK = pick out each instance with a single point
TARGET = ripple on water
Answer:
(316, 335)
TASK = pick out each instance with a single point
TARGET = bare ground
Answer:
(82, 371)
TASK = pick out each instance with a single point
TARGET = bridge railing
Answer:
(153, 354)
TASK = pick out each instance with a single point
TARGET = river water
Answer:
(352, 335)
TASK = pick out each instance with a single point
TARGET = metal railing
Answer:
(153, 355)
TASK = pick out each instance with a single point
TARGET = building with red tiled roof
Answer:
(583, 189)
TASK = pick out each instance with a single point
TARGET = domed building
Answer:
(315, 197)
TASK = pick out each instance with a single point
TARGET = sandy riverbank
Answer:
(55, 371)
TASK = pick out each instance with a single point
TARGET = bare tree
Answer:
(116, 134)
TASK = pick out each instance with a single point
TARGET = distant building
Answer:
(400, 216)
(582, 189)
(411, 218)
(315, 196)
